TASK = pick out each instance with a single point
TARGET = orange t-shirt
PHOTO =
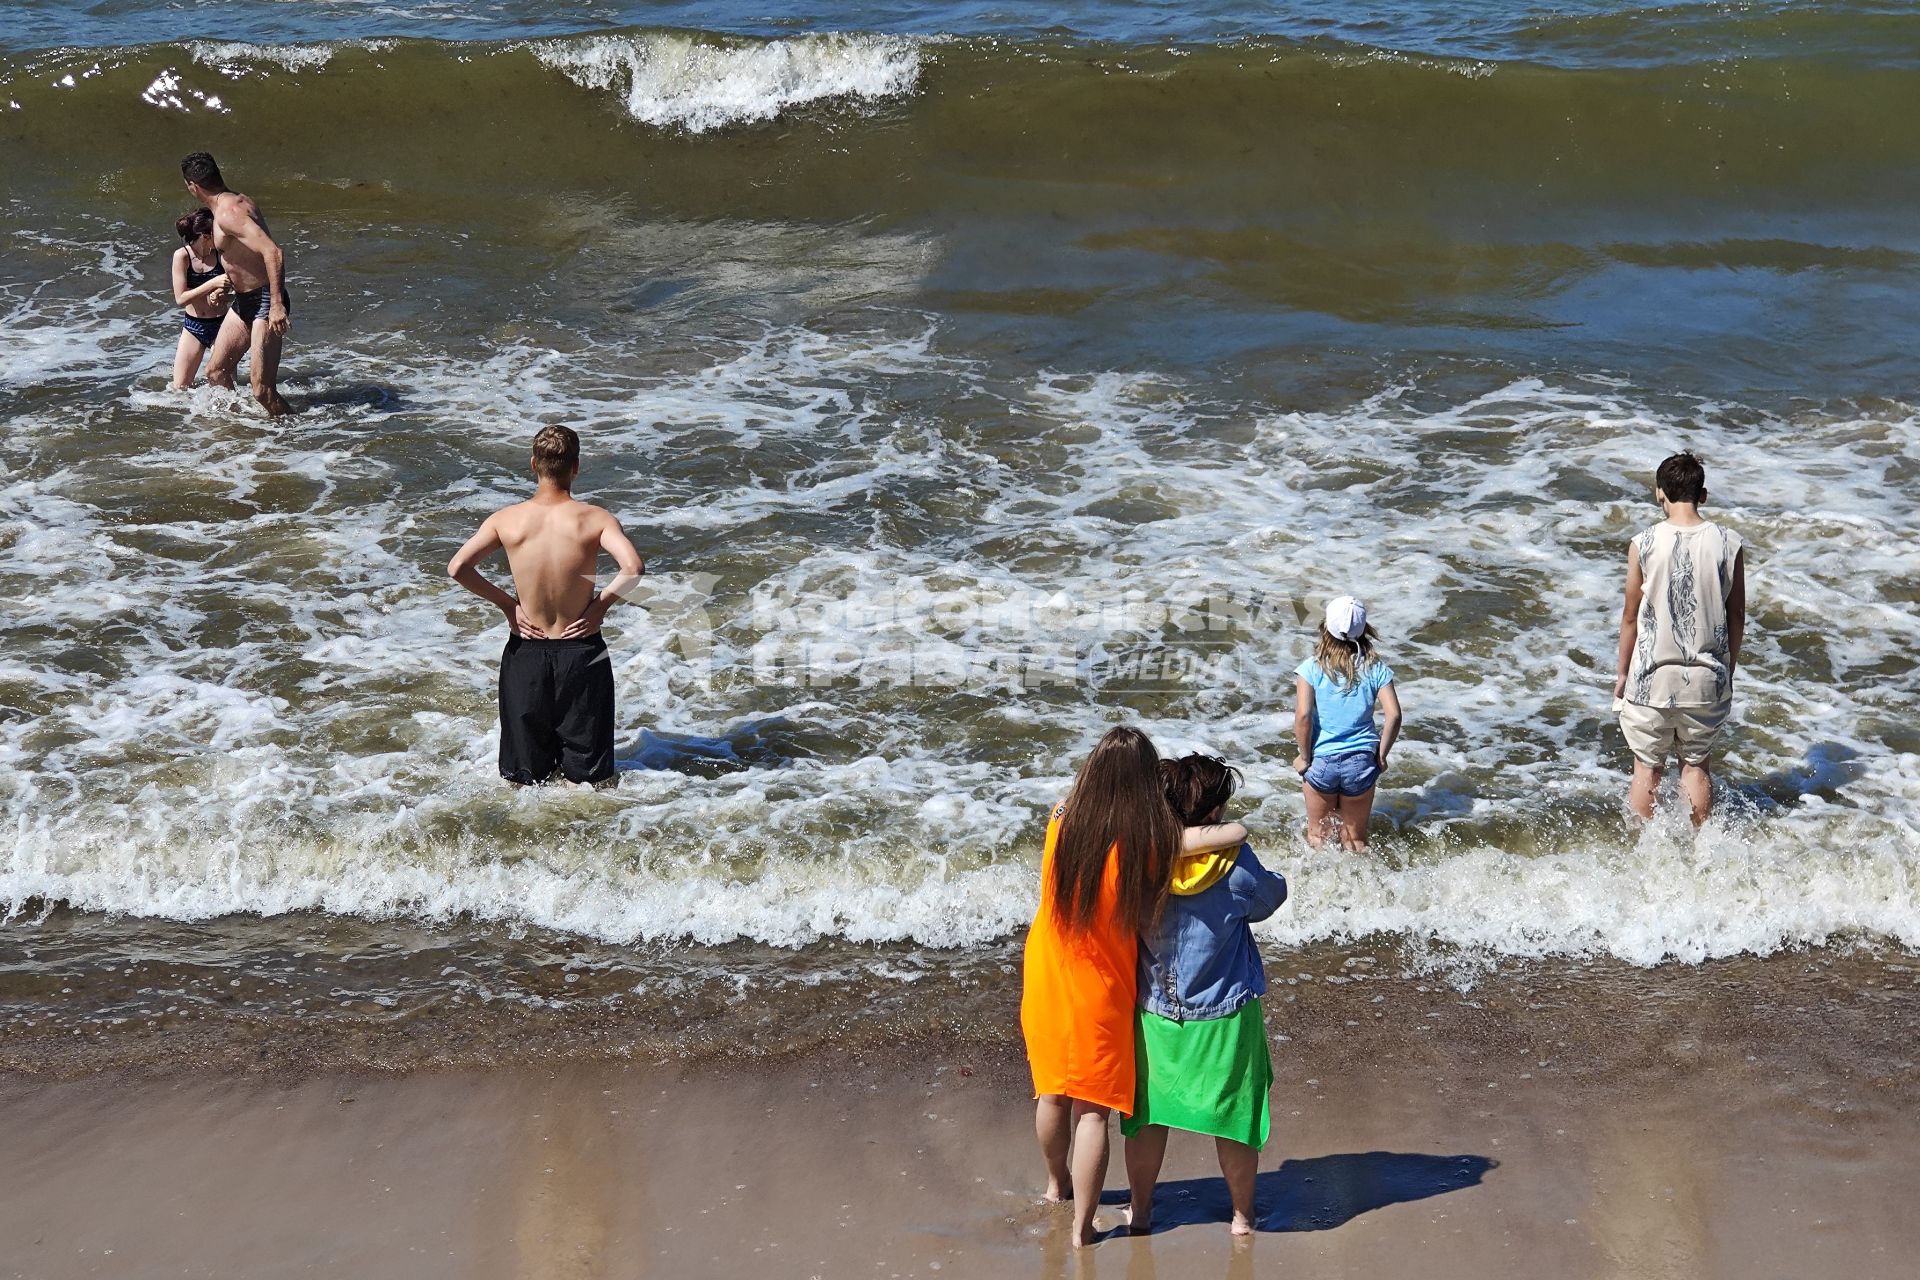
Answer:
(1077, 995)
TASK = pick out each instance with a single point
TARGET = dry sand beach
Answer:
(1749, 1119)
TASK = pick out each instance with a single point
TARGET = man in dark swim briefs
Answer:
(247, 304)
(257, 275)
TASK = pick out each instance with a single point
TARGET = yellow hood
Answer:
(1197, 872)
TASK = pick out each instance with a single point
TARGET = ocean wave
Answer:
(672, 80)
(1744, 885)
(1398, 131)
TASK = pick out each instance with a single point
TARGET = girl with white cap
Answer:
(1342, 754)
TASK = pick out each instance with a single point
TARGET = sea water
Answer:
(970, 386)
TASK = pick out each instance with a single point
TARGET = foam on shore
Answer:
(294, 711)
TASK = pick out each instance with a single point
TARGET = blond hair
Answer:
(556, 454)
(1344, 660)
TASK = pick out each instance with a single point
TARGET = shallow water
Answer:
(969, 387)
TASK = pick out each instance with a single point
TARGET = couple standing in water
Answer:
(230, 281)
(1141, 986)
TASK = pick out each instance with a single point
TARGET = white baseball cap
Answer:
(1346, 618)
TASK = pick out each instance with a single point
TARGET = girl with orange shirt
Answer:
(1103, 876)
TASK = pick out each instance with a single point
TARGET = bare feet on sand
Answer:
(1058, 1191)
(1139, 1219)
(1241, 1225)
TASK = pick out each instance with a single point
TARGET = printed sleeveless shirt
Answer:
(1681, 657)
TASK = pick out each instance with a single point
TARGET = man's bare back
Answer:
(553, 543)
(553, 549)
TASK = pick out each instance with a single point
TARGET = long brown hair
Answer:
(1343, 660)
(1116, 799)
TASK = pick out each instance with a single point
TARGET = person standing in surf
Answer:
(1201, 1036)
(1680, 632)
(257, 278)
(1342, 754)
(556, 679)
(200, 289)
(1103, 876)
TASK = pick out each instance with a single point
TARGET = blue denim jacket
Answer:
(1200, 961)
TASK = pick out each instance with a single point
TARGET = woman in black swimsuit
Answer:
(200, 287)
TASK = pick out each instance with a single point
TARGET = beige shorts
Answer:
(1657, 734)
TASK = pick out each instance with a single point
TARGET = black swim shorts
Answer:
(251, 303)
(556, 710)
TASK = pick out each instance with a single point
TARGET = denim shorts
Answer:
(1351, 774)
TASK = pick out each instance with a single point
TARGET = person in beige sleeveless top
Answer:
(1680, 633)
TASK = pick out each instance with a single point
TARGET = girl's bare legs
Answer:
(1355, 813)
(1089, 1166)
(1146, 1151)
(186, 359)
(1053, 1125)
(1238, 1165)
(1321, 809)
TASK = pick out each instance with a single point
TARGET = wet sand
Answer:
(1398, 1149)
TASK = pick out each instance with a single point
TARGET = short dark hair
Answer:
(556, 453)
(1681, 478)
(200, 169)
(1196, 785)
(192, 226)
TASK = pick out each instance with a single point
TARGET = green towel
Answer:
(1204, 1077)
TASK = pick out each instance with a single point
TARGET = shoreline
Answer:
(402, 998)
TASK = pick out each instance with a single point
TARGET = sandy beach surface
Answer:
(1485, 1135)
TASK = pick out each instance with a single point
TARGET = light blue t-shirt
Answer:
(1343, 717)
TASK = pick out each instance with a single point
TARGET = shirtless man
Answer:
(556, 683)
(256, 277)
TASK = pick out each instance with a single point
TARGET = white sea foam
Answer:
(1742, 888)
(679, 81)
(295, 710)
(236, 57)
(73, 325)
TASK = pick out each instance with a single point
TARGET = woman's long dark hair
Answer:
(1115, 800)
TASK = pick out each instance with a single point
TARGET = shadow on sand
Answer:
(1319, 1193)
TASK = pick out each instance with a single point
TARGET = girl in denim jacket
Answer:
(1199, 1035)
